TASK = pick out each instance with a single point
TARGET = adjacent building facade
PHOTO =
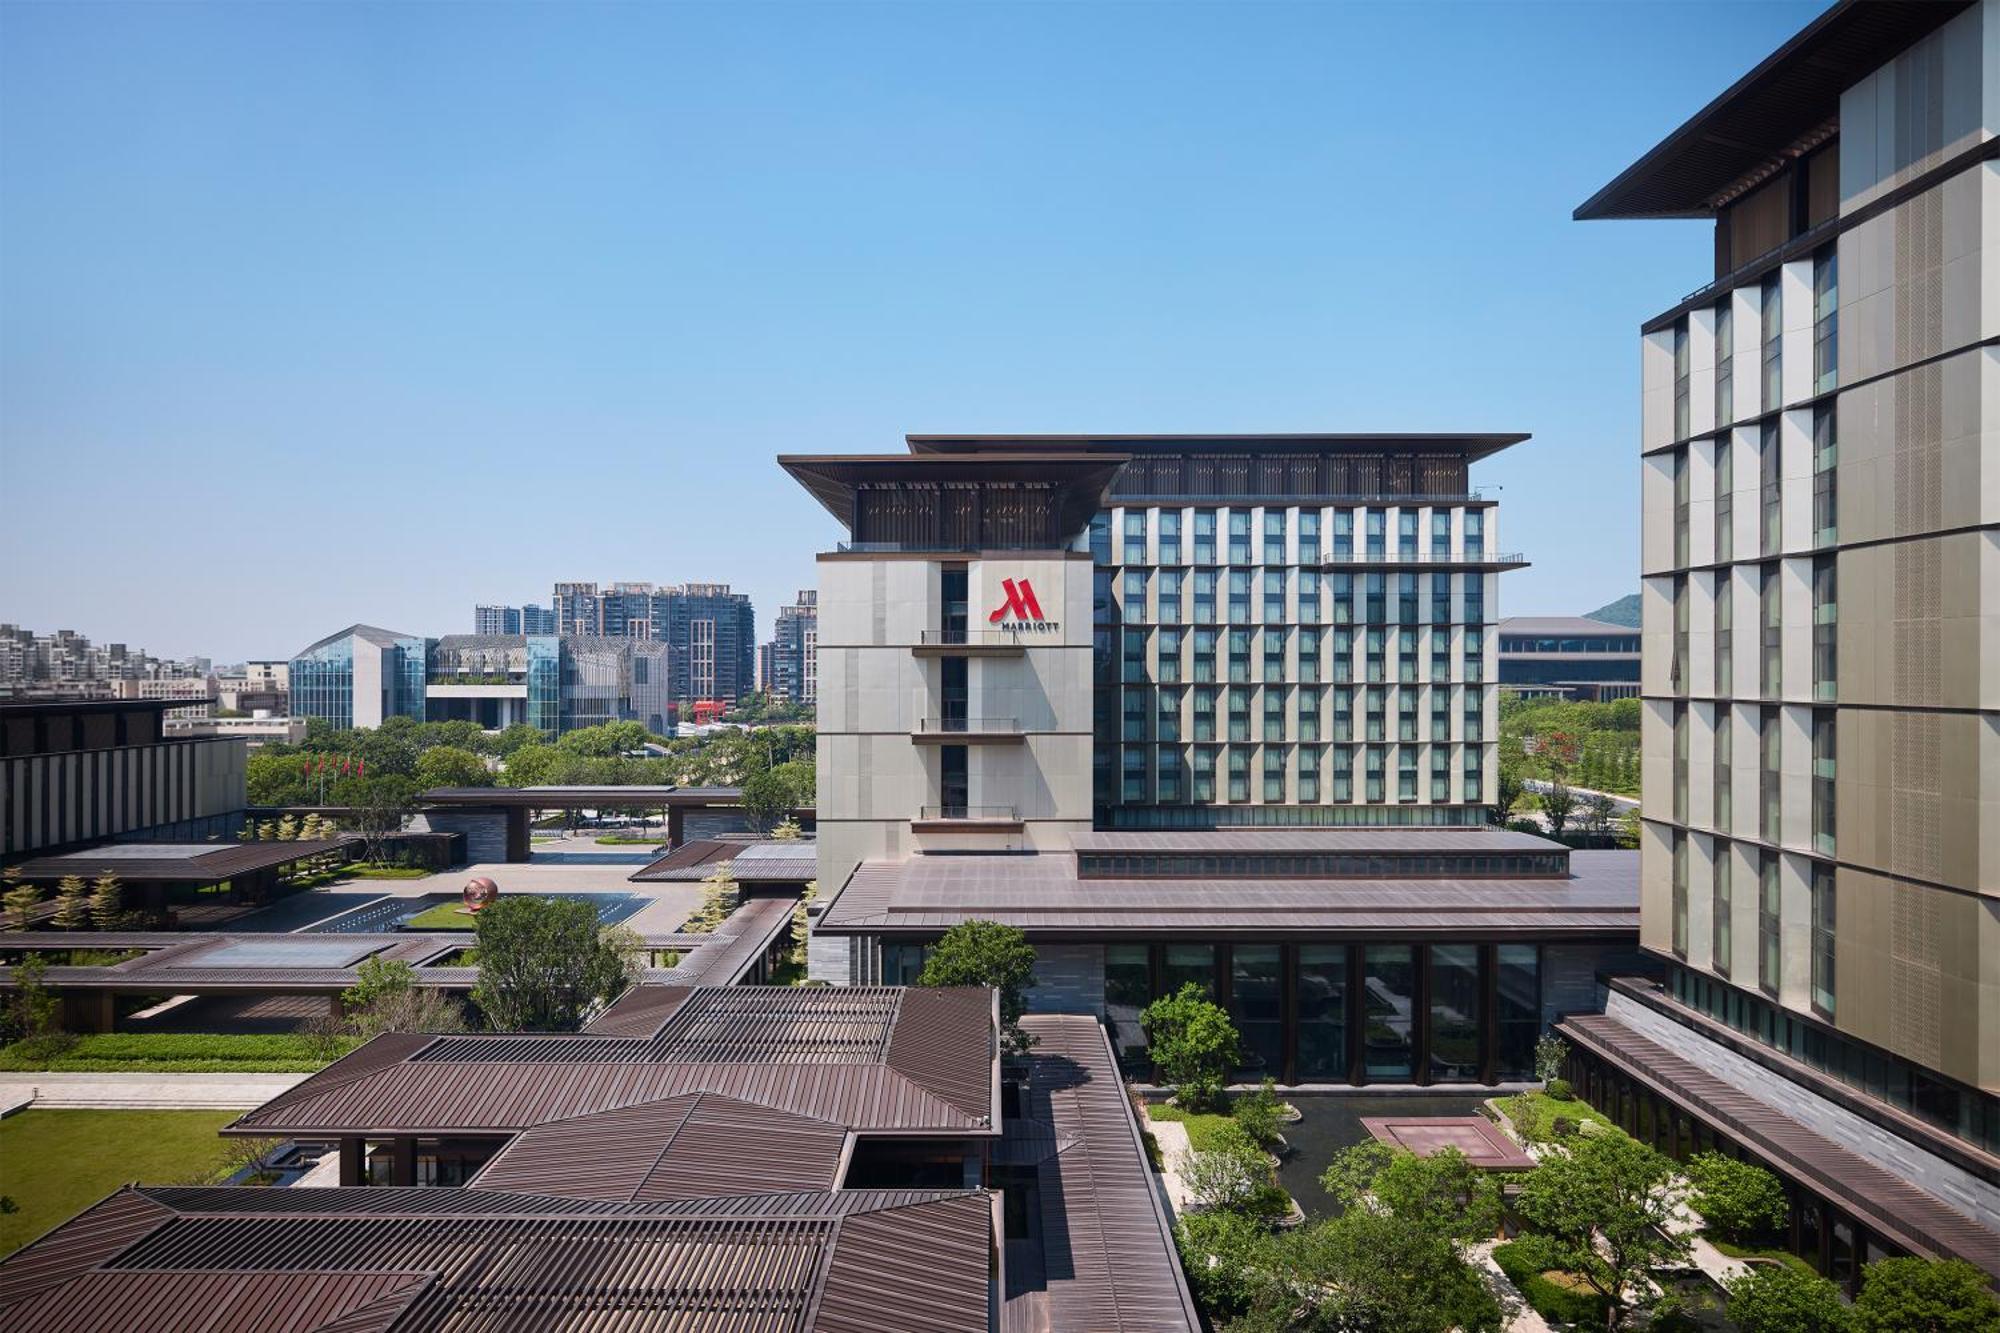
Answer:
(1821, 675)
(359, 676)
(1568, 657)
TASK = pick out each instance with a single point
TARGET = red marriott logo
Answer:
(1020, 603)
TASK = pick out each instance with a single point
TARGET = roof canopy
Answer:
(1768, 115)
(1081, 482)
(1474, 445)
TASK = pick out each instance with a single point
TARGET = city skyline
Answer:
(964, 241)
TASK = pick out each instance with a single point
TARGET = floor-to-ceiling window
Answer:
(1182, 963)
(1389, 1001)
(1256, 998)
(1322, 1013)
(1128, 989)
(1455, 1013)
(1517, 996)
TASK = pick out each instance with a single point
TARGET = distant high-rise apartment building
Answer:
(496, 620)
(538, 619)
(711, 634)
(628, 611)
(67, 663)
(792, 656)
(578, 609)
(1820, 444)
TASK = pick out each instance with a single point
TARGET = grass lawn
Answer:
(445, 916)
(1556, 1296)
(57, 1163)
(632, 839)
(1773, 1252)
(179, 1053)
(1202, 1128)
(389, 872)
(1534, 1112)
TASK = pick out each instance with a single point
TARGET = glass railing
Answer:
(948, 726)
(941, 813)
(970, 638)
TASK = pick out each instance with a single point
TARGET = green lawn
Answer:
(632, 839)
(180, 1053)
(389, 872)
(445, 916)
(1202, 1128)
(1774, 1252)
(54, 1164)
(1533, 1113)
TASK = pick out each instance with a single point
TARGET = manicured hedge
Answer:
(1551, 1300)
(181, 1053)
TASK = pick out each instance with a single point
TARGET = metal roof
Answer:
(1766, 117)
(694, 1146)
(472, 1260)
(1581, 626)
(1279, 841)
(778, 861)
(381, 638)
(832, 479)
(1474, 444)
(694, 859)
(1885, 1203)
(180, 862)
(1107, 1259)
(870, 1059)
(1042, 895)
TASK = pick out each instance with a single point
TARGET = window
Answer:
(1100, 538)
(1725, 501)
(1274, 715)
(1406, 533)
(1322, 1013)
(1135, 706)
(1768, 742)
(1772, 318)
(1256, 1002)
(1770, 490)
(1274, 536)
(1134, 655)
(1375, 789)
(1204, 597)
(1204, 717)
(1475, 777)
(1440, 534)
(1167, 656)
(1372, 702)
(1680, 871)
(1239, 656)
(1725, 630)
(1308, 715)
(1826, 319)
(1239, 771)
(1725, 376)
(1406, 773)
(1389, 993)
(1475, 717)
(1309, 551)
(1826, 629)
(1376, 520)
(1822, 780)
(1239, 596)
(1518, 991)
(1406, 715)
(1826, 476)
(1376, 595)
(1309, 655)
(1274, 771)
(1475, 655)
(1680, 763)
(1682, 424)
(1720, 944)
(1406, 599)
(1724, 743)
(1475, 599)
(1343, 534)
(1343, 599)
(1822, 940)
(1167, 597)
(1239, 717)
(1440, 714)
(1678, 667)
(1239, 536)
(1768, 922)
(1457, 1012)
(1308, 776)
(1681, 507)
(1440, 774)
(1440, 599)
(1343, 715)
(1204, 767)
(1135, 537)
(1135, 596)
(1204, 536)
(1376, 657)
(1770, 661)
(1170, 536)
(1343, 654)
(1168, 726)
(1475, 534)
(1308, 597)
(1274, 596)
(1204, 654)
(1343, 774)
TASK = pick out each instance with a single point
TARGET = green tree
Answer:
(450, 766)
(508, 741)
(544, 964)
(1260, 1113)
(20, 898)
(378, 805)
(276, 776)
(1738, 1200)
(767, 798)
(1193, 1042)
(1443, 1193)
(788, 830)
(1227, 1257)
(1777, 1298)
(606, 740)
(719, 896)
(72, 904)
(1925, 1296)
(31, 1012)
(107, 901)
(986, 953)
(1230, 1174)
(387, 998)
(540, 765)
(1379, 1269)
(1506, 792)
(1558, 804)
(1598, 1211)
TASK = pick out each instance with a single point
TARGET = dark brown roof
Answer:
(694, 859)
(833, 479)
(369, 1260)
(870, 1059)
(1278, 841)
(210, 962)
(1884, 1202)
(728, 955)
(1475, 445)
(1042, 895)
(179, 862)
(551, 798)
(694, 1146)
(1107, 1259)
(1761, 119)
(750, 859)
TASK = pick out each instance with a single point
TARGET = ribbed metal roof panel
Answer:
(85, 1241)
(923, 1269)
(183, 1302)
(934, 1041)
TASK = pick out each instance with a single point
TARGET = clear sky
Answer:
(320, 313)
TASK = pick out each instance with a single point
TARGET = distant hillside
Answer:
(1624, 611)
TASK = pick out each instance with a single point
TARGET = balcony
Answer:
(969, 643)
(967, 731)
(967, 819)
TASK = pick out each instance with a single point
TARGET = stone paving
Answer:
(46, 1090)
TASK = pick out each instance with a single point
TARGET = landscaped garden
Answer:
(57, 1163)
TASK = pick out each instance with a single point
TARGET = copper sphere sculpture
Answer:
(480, 892)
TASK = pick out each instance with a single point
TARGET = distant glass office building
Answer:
(360, 676)
(1568, 657)
(538, 619)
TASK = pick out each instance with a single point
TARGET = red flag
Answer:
(360, 767)
(309, 765)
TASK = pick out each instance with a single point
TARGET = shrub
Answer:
(1257, 1112)
(1225, 1255)
(1560, 1089)
(1551, 1054)
(986, 953)
(1925, 1296)
(1775, 1298)
(1738, 1200)
(1551, 1299)
(1562, 1127)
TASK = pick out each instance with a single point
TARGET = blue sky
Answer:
(321, 313)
